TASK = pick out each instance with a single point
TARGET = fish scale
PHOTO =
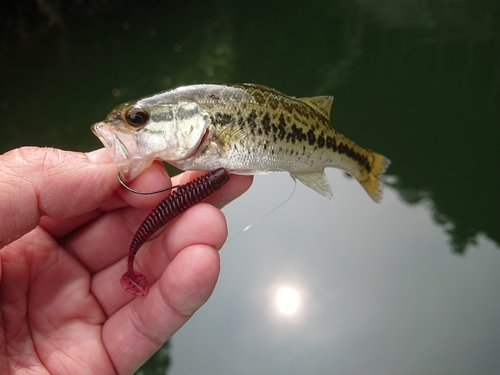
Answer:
(243, 128)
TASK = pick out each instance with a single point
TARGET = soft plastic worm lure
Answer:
(176, 203)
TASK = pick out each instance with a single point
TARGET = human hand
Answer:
(65, 231)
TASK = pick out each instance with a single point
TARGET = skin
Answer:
(65, 229)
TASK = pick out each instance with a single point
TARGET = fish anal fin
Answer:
(316, 181)
(322, 104)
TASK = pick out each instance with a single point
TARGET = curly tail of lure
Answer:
(176, 203)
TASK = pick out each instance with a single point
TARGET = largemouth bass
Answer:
(243, 128)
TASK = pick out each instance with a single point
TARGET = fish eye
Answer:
(136, 117)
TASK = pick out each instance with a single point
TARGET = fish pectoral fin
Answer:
(322, 104)
(231, 134)
(316, 181)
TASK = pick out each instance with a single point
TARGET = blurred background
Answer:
(409, 286)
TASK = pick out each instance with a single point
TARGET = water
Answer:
(407, 286)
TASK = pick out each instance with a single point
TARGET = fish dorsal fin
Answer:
(316, 181)
(322, 104)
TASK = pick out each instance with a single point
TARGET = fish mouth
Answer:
(105, 136)
(111, 141)
(123, 148)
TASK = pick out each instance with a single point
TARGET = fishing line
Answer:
(266, 215)
(144, 192)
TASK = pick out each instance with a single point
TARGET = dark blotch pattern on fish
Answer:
(321, 141)
(222, 119)
(251, 122)
(287, 105)
(280, 118)
(266, 124)
(273, 102)
(259, 98)
(251, 119)
(281, 127)
(361, 159)
(311, 137)
(297, 133)
(331, 143)
(303, 110)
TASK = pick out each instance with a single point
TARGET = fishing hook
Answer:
(144, 192)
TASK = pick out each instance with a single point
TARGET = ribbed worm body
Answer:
(176, 203)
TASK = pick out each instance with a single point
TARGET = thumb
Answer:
(44, 181)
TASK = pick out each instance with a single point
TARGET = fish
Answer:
(243, 128)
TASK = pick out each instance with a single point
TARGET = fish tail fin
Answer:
(372, 183)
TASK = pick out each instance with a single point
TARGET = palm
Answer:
(53, 322)
(63, 309)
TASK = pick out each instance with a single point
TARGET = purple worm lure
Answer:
(176, 203)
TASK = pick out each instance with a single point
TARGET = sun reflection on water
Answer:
(287, 300)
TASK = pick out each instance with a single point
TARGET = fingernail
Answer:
(100, 156)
